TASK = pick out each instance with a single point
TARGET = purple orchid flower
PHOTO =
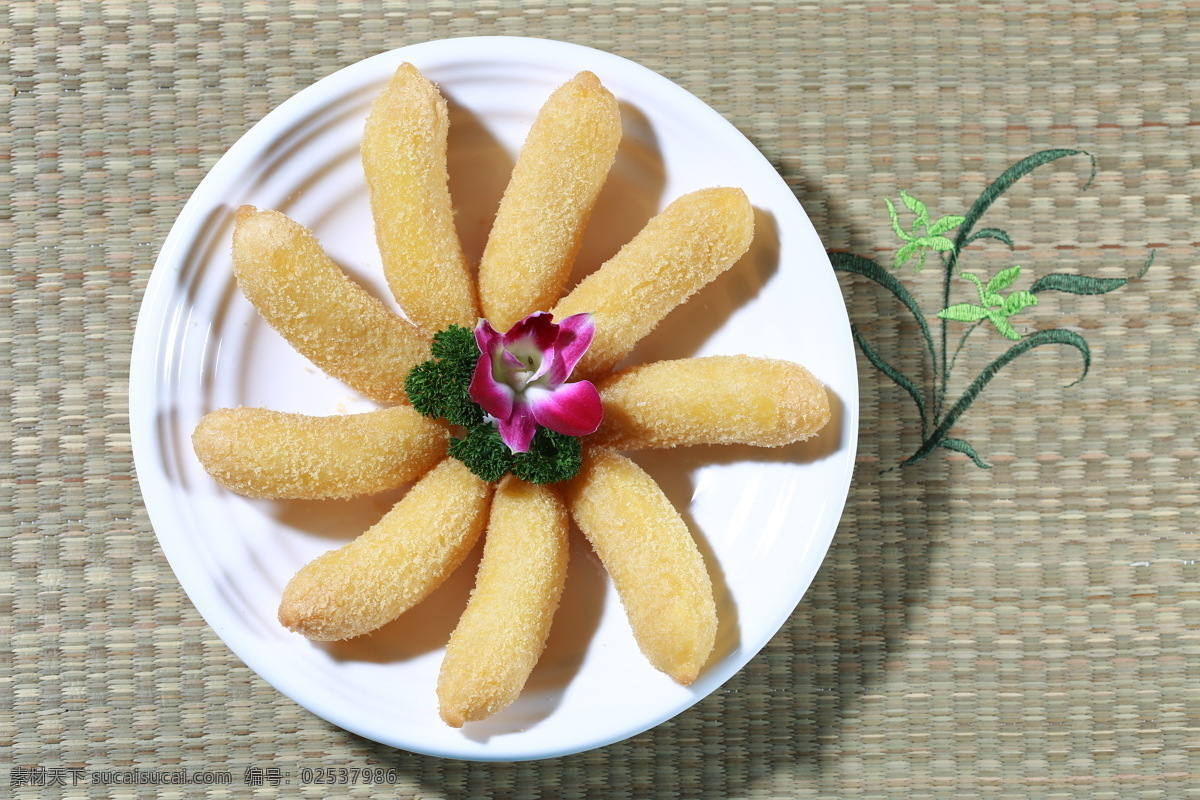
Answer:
(521, 378)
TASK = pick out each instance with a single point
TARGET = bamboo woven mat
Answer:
(1028, 630)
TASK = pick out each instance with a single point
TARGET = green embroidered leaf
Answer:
(848, 262)
(1002, 325)
(1018, 301)
(991, 233)
(959, 446)
(893, 373)
(905, 253)
(915, 206)
(963, 312)
(1055, 336)
(944, 224)
(1007, 179)
(938, 243)
(1004, 279)
(987, 298)
(1081, 284)
(896, 221)
(1077, 284)
(922, 252)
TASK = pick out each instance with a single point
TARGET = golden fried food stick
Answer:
(692, 241)
(404, 158)
(261, 453)
(503, 631)
(714, 400)
(540, 223)
(327, 317)
(653, 560)
(395, 564)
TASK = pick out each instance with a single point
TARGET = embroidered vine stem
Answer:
(961, 342)
(927, 235)
(948, 270)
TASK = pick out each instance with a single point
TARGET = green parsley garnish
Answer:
(440, 388)
(484, 452)
(552, 457)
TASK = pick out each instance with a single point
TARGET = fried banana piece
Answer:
(681, 250)
(261, 453)
(715, 400)
(653, 560)
(404, 158)
(539, 225)
(395, 564)
(328, 318)
(503, 631)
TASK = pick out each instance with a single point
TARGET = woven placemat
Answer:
(1028, 630)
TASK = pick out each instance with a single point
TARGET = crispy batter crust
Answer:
(713, 400)
(395, 564)
(261, 453)
(503, 631)
(680, 251)
(554, 185)
(404, 158)
(327, 317)
(653, 560)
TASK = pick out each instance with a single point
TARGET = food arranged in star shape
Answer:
(509, 421)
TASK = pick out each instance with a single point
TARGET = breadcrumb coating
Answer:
(327, 317)
(680, 251)
(540, 223)
(653, 560)
(404, 150)
(260, 453)
(644, 543)
(713, 400)
(394, 564)
(503, 631)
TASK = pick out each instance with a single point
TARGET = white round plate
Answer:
(763, 518)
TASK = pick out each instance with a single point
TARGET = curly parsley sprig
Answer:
(439, 388)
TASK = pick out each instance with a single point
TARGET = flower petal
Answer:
(543, 365)
(574, 336)
(494, 397)
(486, 336)
(538, 326)
(573, 409)
(533, 338)
(523, 359)
(518, 429)
(504, 362)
